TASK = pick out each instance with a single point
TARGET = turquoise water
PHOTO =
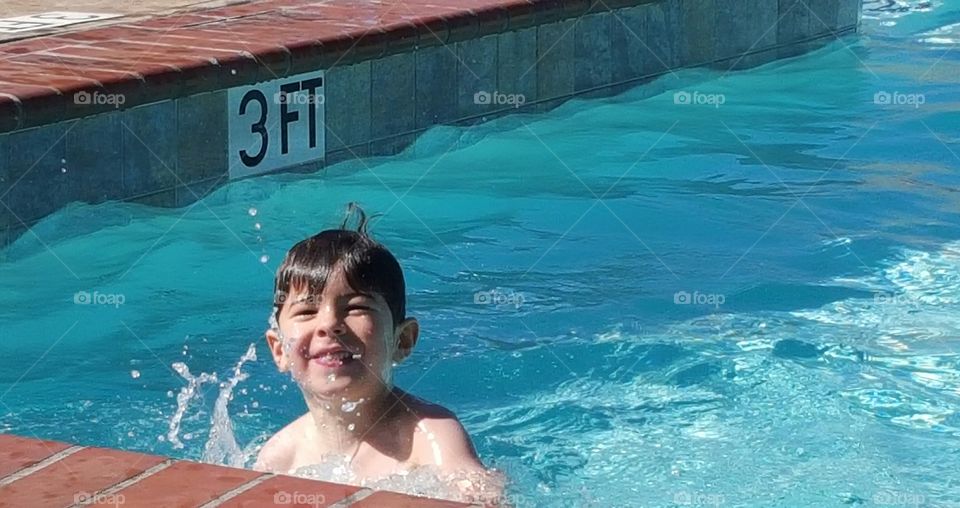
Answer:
(815, 233)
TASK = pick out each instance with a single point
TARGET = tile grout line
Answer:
(113, 489)
(236, 491)
(361, 494)
(33, 468)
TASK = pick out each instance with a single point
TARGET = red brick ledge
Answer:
(47, 473)
(213, 49)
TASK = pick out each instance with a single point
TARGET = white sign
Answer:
(276, 124)
(48, 20)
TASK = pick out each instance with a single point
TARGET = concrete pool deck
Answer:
(36, 472)
(162, 108)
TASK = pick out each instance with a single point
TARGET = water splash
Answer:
(187, 394)
(222, 447)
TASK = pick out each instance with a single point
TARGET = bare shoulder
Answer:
(439, 437)
(277, 454)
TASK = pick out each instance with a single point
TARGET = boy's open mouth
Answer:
(334, 359)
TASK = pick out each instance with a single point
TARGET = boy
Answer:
(339, 326)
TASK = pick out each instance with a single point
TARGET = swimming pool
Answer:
(742, 295)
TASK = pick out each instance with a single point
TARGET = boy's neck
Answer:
(339, 431)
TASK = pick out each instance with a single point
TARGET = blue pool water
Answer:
(814, 233)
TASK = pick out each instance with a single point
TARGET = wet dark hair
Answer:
(367, 265)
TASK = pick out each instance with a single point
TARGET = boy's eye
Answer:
(304, 311)
(355, 307)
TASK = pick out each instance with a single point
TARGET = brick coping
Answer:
(36, 472)
(211, 49)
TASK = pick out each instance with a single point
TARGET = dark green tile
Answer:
(202, 136)
(149, 148)
(517, 54)
(555, 73)
(347, 103)
(436, 86)
(477, 76)
(95, 158)
(32, 181)
(593, 59)
(393, 95)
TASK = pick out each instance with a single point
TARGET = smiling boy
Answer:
(339, 326)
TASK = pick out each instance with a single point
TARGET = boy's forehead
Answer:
(336, 286)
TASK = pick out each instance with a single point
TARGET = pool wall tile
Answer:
(201, 137)
(517, 73)
(437, 96)
(848, 14)
(697, 34)
(477, 74)
(392, 145)
(627, 45)
(32, 181)
(393, 95)
(149, 148)
(744, 26)
(794, 23)
(555, 72)
(347, 103)
(95, 158)
(823, 16)
(592, 56)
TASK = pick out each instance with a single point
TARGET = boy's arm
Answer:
(455, 455)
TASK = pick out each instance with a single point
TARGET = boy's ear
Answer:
(276, 349)
(406, 336)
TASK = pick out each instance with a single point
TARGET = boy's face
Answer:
(339, 345)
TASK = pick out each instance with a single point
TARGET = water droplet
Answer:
(331, 378)
(160, 438)
(63, 161)
(256, 226)
(188, 436)
(252, 211)
(233, 71)
(264, 258)
(130, 434)
(134, 374)
(255, 404)
(351, 427)
(170, 393)
(63, 170)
